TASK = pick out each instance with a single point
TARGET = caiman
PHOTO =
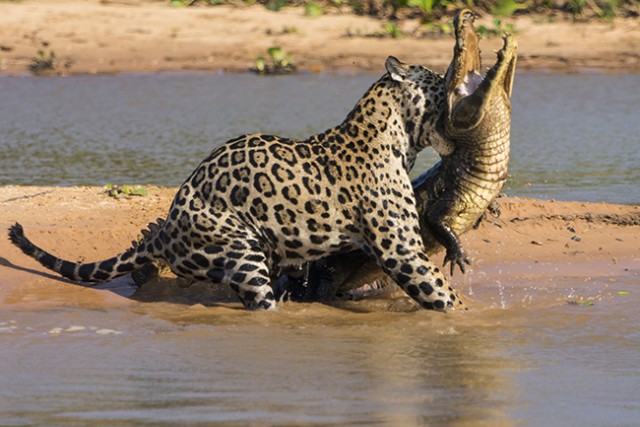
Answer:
(452, 196)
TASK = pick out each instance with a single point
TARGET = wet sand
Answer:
(146, 36)
(532, 238)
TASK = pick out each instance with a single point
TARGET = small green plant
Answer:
(280, 62)
(391, 29)
(609, 9)
(499, 28)
(507, 7)
(581, 302)
(43, 62)
(437, 28)
(312, 10)
(430, 10)
(276, 5)
(576, 7)
(183, 3)
(124, 191)
(425, 6)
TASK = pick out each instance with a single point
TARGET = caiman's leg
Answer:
(438, 220)
(462, 76)
(493, 209)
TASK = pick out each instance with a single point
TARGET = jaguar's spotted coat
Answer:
(260, 204)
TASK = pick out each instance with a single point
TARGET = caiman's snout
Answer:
(468, 93)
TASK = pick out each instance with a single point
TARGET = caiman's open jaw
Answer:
(468, 93)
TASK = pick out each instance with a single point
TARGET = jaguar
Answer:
(261, 204)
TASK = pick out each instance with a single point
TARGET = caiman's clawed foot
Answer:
(456, 256)
(494, 210)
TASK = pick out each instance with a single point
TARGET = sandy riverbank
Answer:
(91, 36)
(533, 238)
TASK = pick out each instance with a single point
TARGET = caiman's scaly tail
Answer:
(132, 259)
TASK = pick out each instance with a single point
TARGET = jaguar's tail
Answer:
(132, 259)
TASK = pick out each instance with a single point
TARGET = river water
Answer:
(532, 350)
(574, 136)
(522, 355)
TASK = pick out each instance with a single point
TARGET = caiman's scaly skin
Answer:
(453, 195)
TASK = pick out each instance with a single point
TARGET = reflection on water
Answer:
(574, 136)
(520, 352)
(262, 368)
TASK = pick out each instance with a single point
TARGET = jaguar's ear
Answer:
(397, 70)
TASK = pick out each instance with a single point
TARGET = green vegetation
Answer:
(43, 63)
(430, 11)
(437, 28)
(507, 7)
(290, 30)
(280, 62)
(124, 191)
(582, 302)
(389, 29)
(183, 3)
(392, 30)
(46, 62)
(313, 10)
(498, 29)
(276, 5)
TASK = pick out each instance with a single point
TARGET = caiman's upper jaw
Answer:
(468, 93)
(464, 73)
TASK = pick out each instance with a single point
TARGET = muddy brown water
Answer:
(539, 346)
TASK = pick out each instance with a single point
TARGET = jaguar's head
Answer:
(419, 96)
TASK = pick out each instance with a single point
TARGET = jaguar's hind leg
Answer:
(249, 279)
(221, 249)
(243, 266)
